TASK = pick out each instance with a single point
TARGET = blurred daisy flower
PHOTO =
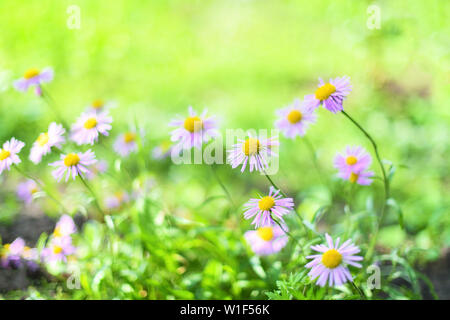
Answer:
(73, 164)
(26, 190)
(253, 151)
(295, 119)
(194, 130)
(116, 200)
(64, 227)
(359, 177)
(126, 143)
(31, 256)
(266, 208)
(97, 168)
(88, 127)
(58, 249)
(8, 154)
(54, 137)
(99, 106)
(11, 253)
(34, 77)
(331, 94)
(266, 240)
(331, 262)
(353, 159)
(162, 150)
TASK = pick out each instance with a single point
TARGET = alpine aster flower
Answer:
(8, 154)
(352, 165)
(88, 127)
(361, 177)
(11, 253)
(54, 137)
(256, 152)
(331, 262)
(331, 94)
(295, 119)
(268, 207)
(64, 227)
(125, 144)
(99, 106)
(58, 249)
(267, 240)
(34, 77)
(194, 130)
(73, 164)
(26, 190)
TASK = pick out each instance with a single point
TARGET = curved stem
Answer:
(385, 180)
(274, 185)
(219, 181)
(360, 292)
(93, 194)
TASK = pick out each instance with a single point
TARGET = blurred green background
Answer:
(243, 60)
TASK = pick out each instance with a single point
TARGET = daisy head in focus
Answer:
(8, 153)
(64, 227)
(266, 208)
(267, 240)
(331, 94)
(26, 190)
(58, 249)
(54, 137)
(99, 106)
(294, 119)
(73, 165)
(89, 126)
(34, 78)
(194, 130)
(253, 151)
(353, 163)
(126, 143)
(330, 264)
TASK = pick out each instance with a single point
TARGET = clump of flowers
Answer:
(73, 165)
(267, 240)
(34, 77)
(294, 119)
(330, 265)
(330, 94)
(60, 245)
(89, 126)
(54, 137)
(8, 154)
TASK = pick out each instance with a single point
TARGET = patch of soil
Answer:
(439, 274)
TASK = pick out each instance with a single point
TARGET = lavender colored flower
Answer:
(11, 253)
(331, 94)
(331, 262)
(26, 190)
(268, 207)
(116, 200)
(73, 164)
(58, 249)
(266, 240)
(97, 168)
(125, 144)
(34, 77)
(88, 127)
(31, 257)
(54, 137)
(64, 227)
(295, 119)
(8, 154)
(352, 165)
(361, 177)
(194, 130)
(162, 150)
(253, 151)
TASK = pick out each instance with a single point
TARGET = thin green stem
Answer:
(385, 181)
(274, 185)
(92, 193)
(360, 292)
(51, 103)
(315, 162)
(286, 232)
(219, 181)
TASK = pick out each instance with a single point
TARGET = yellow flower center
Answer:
(323, 92)
(353, 177)
(266, 203)
(119, 196)
(90, 123)
(71, 159)
(193, 124)
(42, 139)
(251, 146)
(34, 190)
(294, 116)
(265, 233)
(331, 259)
(57, 249)
(6, 246)
(31, 73)
(57, 232)
(129, 137)
(351, 160)
(4, 154)
(97, 104)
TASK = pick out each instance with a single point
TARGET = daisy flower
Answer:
(31, 256)
(125, 144)
(354, 159)
(266, 240)
(11, 253)
(266, 208)
(73, 164)
(331, 262)
(194, 130)
(331, 94)
(58, 249)
(116, 200)
(88, 127)
(26, 190)
(99, 167)
(99, 106)
(360, 177)
(295, 119)
(54, 137)
(253, 151)
(34, 77)
(64, 227)
(162, 150)
(8, 154)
